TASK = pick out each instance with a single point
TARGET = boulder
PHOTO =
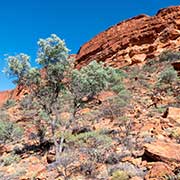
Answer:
(158, 170)
(173, 113)
(163, 151)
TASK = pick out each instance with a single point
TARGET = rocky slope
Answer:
(144, 133)
(134, 40)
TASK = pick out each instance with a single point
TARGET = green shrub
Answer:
(93, 78)
(9, 103)
(169, 56)
(168, 76)
(99, 140)
(9, 131)
(120, 175)
(88, 168)
(10, 159)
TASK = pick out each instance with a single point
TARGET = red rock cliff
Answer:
(16, 94)
(4, 96)
(127, 42)
(134, 40)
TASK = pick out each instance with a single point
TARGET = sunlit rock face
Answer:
(128, 42)
(4, 96)
(134, 40)
(15, 94)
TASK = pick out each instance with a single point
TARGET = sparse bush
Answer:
(65, 164)
(114, 106)
(9, 103)
(129, 168)
(10, 159)
(9, 131)
(169, 56)
(88, 168)
(95, 138)
(120, 175)
(175, 133)
(168, 76)
(92, 79)
(93, 144)
(113, 158)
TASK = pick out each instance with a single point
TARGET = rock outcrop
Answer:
(176, 66)
(128, 42)
(163, 151)
(4, 96)
(134, 40)
(15, 94)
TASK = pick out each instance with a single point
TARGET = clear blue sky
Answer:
(23, 22)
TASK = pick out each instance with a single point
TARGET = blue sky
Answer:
(23, 22)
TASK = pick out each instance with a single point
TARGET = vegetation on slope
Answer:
(90, 123)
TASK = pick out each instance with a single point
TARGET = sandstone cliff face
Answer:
(15, 94)
(4, 96)
(126, 43)
(134, 40)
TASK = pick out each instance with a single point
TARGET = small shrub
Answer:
(161, 109)
(9, 131)
(175, 133)
(94, 138)
(168, 76)
(120, 175)
(88, 168)
(65, 165)
(113, 158)
(169, 56)
(9, 103)
(130, 169)
(12, 158)
(150, 66)
(115, 106)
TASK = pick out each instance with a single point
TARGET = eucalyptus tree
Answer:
(57, 81)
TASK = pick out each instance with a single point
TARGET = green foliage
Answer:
(33, 77)
(175, 133)
(9, 131)
(93, 78)
(51, 51)
(9, 103)
(168, 76)
(161, 109)
(18, 67)
(168, 56)
(10, 159)
(58, 88)
(96, 137)
(115, 106)
(120, 175)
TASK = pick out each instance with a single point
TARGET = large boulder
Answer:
(158, 170)
(172, 113)
(163, 151)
